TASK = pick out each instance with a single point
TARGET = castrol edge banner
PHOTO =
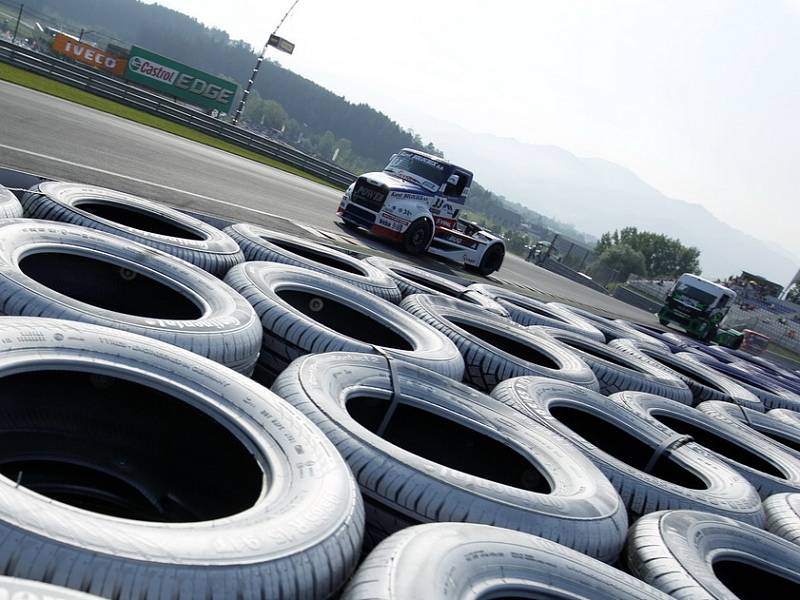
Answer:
(88, 55)
(180, 81)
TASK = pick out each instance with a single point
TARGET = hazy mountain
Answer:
(596, 196)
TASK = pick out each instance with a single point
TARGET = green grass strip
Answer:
(62, 90)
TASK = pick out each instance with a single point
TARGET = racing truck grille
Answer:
(368, 195)
(359, 216)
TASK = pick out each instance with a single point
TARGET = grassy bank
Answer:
(61, 90)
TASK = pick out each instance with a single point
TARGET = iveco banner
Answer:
(175, 79)
(87, 54)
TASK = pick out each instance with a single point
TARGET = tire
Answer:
(611, 329)
(617, 371)
(494, 348)
(10, 208)
(415, 280)
(788, 417)
(304, 312)
(528, 311)
(622, 445)
(639, 334)
(417, 237)
(492, 259)
(678, 342)
(766, 465)
(777, 430)
(13, 588)
(119, 457)
(69, 272)
(133, 218)
(262, 244)
(460, 560)
(694, 555)
(770, 393)
(442, 444)
(783, 516)
(703, 382)
(671, 340)
(787, 381)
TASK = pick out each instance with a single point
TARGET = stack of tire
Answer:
(420, 438)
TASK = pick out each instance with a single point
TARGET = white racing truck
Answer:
(415, 201)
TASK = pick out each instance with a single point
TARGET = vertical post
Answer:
(246, 93)
(16, 28)
(80, 37)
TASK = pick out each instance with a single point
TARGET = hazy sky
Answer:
(701, 98)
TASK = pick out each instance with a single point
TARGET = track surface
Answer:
(61, 140)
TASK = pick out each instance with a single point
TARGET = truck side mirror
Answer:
(452, 180)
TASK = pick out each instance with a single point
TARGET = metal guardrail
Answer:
(104, 86)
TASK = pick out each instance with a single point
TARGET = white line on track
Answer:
(137, 180)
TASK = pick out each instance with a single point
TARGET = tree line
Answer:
(628, 251)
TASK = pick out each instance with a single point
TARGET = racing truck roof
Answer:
(444, 161)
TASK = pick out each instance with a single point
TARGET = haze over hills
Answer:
(592, 194)
(597, 195)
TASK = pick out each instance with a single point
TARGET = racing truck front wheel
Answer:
(492, 259)
(417, 236)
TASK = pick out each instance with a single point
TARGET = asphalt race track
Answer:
(61, 140)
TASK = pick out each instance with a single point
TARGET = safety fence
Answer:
(97, 83)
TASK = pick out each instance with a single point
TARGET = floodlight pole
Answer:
(246, 93)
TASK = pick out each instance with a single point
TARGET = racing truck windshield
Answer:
(420, 166)
(698, 295)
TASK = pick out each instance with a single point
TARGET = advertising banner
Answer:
(88, 54)
(180, 81)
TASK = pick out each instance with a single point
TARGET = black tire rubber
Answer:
(767, 390)
(765, 464)
(133, 469)
(417, 237)
(13, 588)
(678, 342)
(611, 329)
(262, 244)
(703, 382)
(788, 417)
(617, 371)
(783, 516)
(143, 221)
(70, 272)
(786, 380)
(487, 364)
(492, 259)
(665, 337)
(357, 320)
(10, 207)
(528, 311)
(442, 561)
(694, 555)
(785, 434)
(624, 452)
(415, 280)
(451, 436)
(642, 336)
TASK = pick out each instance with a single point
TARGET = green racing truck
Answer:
(698, 305)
